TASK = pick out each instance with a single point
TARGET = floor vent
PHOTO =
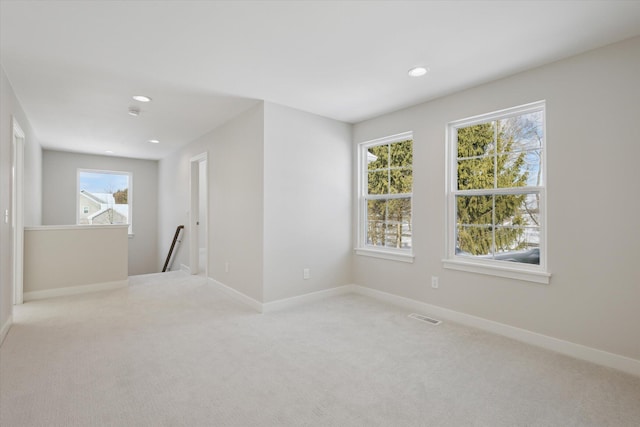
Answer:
(425, 319)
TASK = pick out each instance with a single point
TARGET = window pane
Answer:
(512, 171)
(389, 223)
(474, 210)
(378, 182)
(517, 235)
(519, 169)
(378, 157)
(399, 210)
(376, 217)
(530, 209)
(474, 174)
(375, 233)
(533, 166)
(524, 132)
(399, 223)
(520, 244)
(508, 239)
(376, 210)
(474, 240)
(507, 210)
(402, 154)
(392, 239)
(518, 210)
(401, 181)
(476, 140)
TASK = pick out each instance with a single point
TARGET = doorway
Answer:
(198, 219)
(17, 209)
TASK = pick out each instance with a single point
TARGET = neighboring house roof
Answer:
(118, 209)
(106, 202)
(122, 210)
(103, 198)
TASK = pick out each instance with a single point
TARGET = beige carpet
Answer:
(171, 351)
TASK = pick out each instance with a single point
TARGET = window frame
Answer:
(362, 248)
(514, 270)
(107, 172)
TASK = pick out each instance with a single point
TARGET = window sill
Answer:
(498, 270)
(389, 255)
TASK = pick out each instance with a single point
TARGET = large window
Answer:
(385, 194)
(496, 194)
(104, 197)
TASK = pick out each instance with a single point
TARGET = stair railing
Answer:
(173, 244)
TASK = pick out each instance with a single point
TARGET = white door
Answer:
(198, 235)
(17, 210)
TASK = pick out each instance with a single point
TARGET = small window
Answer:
(385, 199)
(496, 197)
(105, 197)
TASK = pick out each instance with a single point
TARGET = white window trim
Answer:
(518, 271)
(393, 254)
(129, 193)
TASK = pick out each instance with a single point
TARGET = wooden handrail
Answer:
(173, 244)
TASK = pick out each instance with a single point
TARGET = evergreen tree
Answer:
(390, 172)
(494, 155)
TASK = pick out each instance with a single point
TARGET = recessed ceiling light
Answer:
(108, 152)
(154, 141)
(134, 111)
(141, 98)
(418, 71)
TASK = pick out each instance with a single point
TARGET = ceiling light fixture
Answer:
(154, 141)
(134, 111)
(141, 98)
(108, 152)
(418, 71)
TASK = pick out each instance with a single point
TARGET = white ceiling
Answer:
(75, 65)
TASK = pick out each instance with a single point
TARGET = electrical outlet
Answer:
(226, 266)
(434, 282)
(306, 274)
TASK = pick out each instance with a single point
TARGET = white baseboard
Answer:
(237, 295)
(74, 290)
(600, 357)
(306, 298)
(282, 303)
(5, 328)
(185, 268)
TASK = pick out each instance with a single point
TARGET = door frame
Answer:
(194, 212)
(17, 209)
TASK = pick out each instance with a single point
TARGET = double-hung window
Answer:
(385, 186)
(496, 194)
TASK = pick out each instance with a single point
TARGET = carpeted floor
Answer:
(171, 351)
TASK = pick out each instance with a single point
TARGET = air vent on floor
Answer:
(425, 319)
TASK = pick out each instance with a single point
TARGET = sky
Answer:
(101, 182)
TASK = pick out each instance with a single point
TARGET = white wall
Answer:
(593, 111)
(235, 159)
(59, 194)
(10, 107)
(307, 202)
(279, 201)
(47, 268)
